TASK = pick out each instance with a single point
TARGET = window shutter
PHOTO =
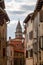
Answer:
(0, 44)
(3, 52)
(31, 35)
(31, 53)
(26, 54)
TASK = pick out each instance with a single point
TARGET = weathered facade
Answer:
(37, 20)
(3, 33)
(29, 40)
(10, 53)
(38, 34)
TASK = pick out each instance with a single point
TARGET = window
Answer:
(41, 42)
(26, 54)
(26, 38)
(3, 34)
(31, 35)
(41, 16)
(11, 62)
(3, 52)
(31, 53)
(11, 53)
(40, 56)
(0, 44)
(21, 62)
(35, 47)
(15, 61)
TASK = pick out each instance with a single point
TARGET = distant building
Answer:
(3, 33)
(28, 40)
(18, 46)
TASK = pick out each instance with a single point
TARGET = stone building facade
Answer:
(38, 33)
(3, 33)
(37, 20)
(29, 40)
(10, 53)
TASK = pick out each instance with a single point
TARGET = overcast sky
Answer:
(17, 10)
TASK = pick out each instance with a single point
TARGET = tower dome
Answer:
(18, 33)
(18, 28)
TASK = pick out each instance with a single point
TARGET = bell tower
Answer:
(18, 33)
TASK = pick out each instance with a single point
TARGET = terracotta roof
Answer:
(2, 4)
(38, 8)
(28, 18)
(39, 5)
(18, 45)
(4, 14)
(19, 51)
(34, 14)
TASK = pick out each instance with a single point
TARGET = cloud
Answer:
(12, 5)
(26, 1)
(27, 7)
(17, 12)
(8, 0)
(18, 0)
(16, 16)
(17, 9)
